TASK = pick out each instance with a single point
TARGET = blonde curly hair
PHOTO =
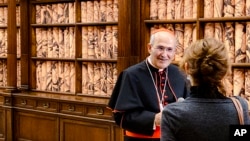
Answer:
(208, 63)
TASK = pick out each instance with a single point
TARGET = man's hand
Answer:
(158, 119)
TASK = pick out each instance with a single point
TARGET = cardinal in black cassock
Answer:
(134, 100)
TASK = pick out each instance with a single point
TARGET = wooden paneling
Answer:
(29, 114)
(2, 123)
(72, 130)
(61, 119)
(35, 127)
(71, 108)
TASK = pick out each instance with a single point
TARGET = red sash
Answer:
(157, 134)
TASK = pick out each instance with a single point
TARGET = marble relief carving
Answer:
(98, 42)
(162, 9)
(97, 49)
(72, 78)
(91, 42)
(71, 12)
(115, 10)
(247, 86)
(208, 13)
(50, 42)
(188, 28)
(110, 79)
(84, 78)
(240, 49)
(1, 73)
(97, 79)
(96, 11)
(55, 50)
(154, 9)
(66, 42)
(218, 27)
(240, 56)
(54, 13)
(109, 42)
(54, 76)
(109, 10)
(62, 52)
(55, 42)
(66, 77)
(179, 33)
(84, 11)
(2, 18)
(102, 41)
(170, 13)
(247, 71)
(3, 42)
(84, 42)
(115, 42)
(90, 71)
(179, 28)
(61, 80)
(194, 4)
(240, 8)
(103, 79)
(49, 76)
(72, 42)
(235, 35)
(90, 11)
(102, 11)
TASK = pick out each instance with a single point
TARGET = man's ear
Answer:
(149, 48)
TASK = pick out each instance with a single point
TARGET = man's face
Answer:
(162, 50)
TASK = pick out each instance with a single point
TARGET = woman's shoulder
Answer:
(243, 102)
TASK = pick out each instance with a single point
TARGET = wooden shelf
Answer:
(170, 21)
(53, 59)
(49, 1)
(97, 60)
(225, 19)
(233, 65)
(71, 59)
(3, 58)
(241, 65)
(97, 23)
(3, 5)
(3, 27)
(53, 25)
(217, 19)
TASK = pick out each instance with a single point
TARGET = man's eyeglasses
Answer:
(167, 49)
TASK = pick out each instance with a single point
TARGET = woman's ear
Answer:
(186, 67)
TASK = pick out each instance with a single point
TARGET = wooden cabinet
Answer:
(58, 118)
(59, 65)
(74, 46)
(39, 127)
(85, 130)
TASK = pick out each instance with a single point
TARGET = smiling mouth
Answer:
(162, 59)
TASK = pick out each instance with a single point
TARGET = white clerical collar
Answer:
(149, 60)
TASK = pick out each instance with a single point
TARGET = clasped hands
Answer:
(158, 119)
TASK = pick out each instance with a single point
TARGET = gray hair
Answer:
(152, 39)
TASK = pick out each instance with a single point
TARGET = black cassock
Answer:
(134, 100)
